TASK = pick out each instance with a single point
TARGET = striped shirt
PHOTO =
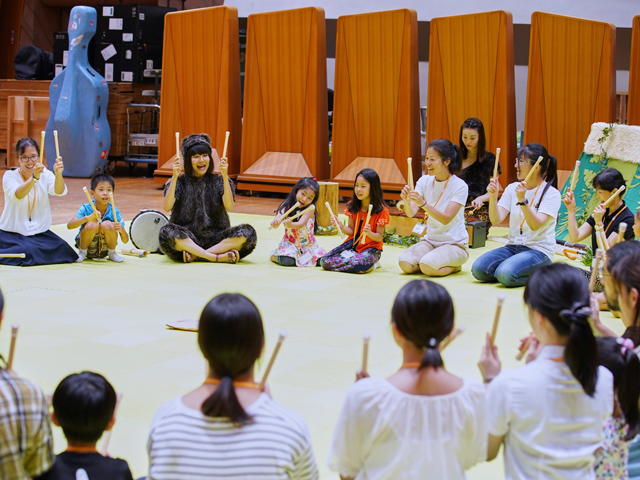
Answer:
(26, 445)
(186, 444)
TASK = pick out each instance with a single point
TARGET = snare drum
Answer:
(145, 228)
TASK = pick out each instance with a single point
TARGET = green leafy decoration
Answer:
(587, 258)
(392, 238)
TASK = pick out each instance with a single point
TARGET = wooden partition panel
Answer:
(633, 102)
(200, 83)
(571, 83)
(376, 104)
(285, 120)
(471, 75)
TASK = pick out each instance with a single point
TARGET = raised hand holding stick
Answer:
(574, 177)
(263, 382)
(535, 167)
(332, 215)
(95, 210)
(226, 142)
(285, 215)
(495, 165)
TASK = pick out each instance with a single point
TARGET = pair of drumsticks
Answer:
(224, 150)
(55, 137)
(310, 208)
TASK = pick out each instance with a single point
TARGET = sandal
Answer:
(232, 256)
(187, 257)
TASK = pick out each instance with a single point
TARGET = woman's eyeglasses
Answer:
(27, 158)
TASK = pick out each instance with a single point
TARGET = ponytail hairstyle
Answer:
(196, 144)
(474, 124)
(448, 151)
(617, 355)
(25, 142)
(560, 293)
(626, 276)
(423, 314)
(375, 192)
(548, 165)
(231, 336)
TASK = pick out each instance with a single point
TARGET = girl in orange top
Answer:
(353, 256)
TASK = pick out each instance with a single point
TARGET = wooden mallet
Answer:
(286, 214)
(613, 196)
(409, 173)
(135, 252)
(452, 336)
(529, 175)
(263, 382)
(178, 144)
(366, 222)
(12, 346)
(594, 272)
(331, 213)
(42, 147)
(226, 142)
(310, 208)
(55, 137)
(13, 255)
(496, 319)
(95, 210)
(495, 165)
(107, 435)
(366, 336)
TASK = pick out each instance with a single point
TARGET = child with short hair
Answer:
(99, 231)
(83, 406)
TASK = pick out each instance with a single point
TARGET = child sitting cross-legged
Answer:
(83, 405)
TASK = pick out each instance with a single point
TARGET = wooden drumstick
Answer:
(42, 147)
(366, 336)
(495, 165)
(113, 208)
(285, 214)
(13, 255)
(95, 210)
(574, 177)
(55, 137)
(366, 222)
(331, 213)
(136, 252)
(605, 241)
(299, 214)
(107, 435)
(522, 351)
(622, 229)
(496, 319)
(12, 346)
(263, 382)
(613, 196)
(226, 142)
(533, 169)
(594, 272)
(409, 173)
(178, 144)
(452, 336)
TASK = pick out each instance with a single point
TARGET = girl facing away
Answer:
(422, 421)
(356, 255)
(298, 246)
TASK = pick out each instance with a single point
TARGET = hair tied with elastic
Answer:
(226, 375)
(626, 343)
(315, 178)
(432, 343)
(576, 314)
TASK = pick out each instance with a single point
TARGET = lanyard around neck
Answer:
(35, 191)
(216, 381)
(521, 208)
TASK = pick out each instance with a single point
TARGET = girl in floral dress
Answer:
(298, 247)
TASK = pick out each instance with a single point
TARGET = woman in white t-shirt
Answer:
(228, 427)
(533, 210)
(442, 195)
(422, 421)
(549, 414)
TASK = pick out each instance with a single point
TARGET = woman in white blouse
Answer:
(549, 414)
(422, 421)
(25, 221)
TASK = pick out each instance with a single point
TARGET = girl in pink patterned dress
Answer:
(298, 247)
(612, 458)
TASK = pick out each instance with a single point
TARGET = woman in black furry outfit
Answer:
(199, 226)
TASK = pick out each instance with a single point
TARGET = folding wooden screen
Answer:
(200, 83)
(471, 75)
(571, 83)
(376, 105)
(633, 103)
(285, 120)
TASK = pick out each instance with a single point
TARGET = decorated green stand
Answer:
(609, 145)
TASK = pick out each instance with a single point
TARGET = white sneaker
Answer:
(377, 265)
(81, 256)
(114, 257)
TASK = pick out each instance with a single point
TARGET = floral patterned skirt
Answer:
(345, 258)
(306, 255)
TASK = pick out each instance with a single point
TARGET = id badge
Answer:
(348, 254)
(520, 239)
(32, 227)
(306, 258)
(419, 229)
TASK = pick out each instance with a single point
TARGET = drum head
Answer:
(145, 228)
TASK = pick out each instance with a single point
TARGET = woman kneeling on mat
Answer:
(199, 226)
(532, 204)
(25, 221)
